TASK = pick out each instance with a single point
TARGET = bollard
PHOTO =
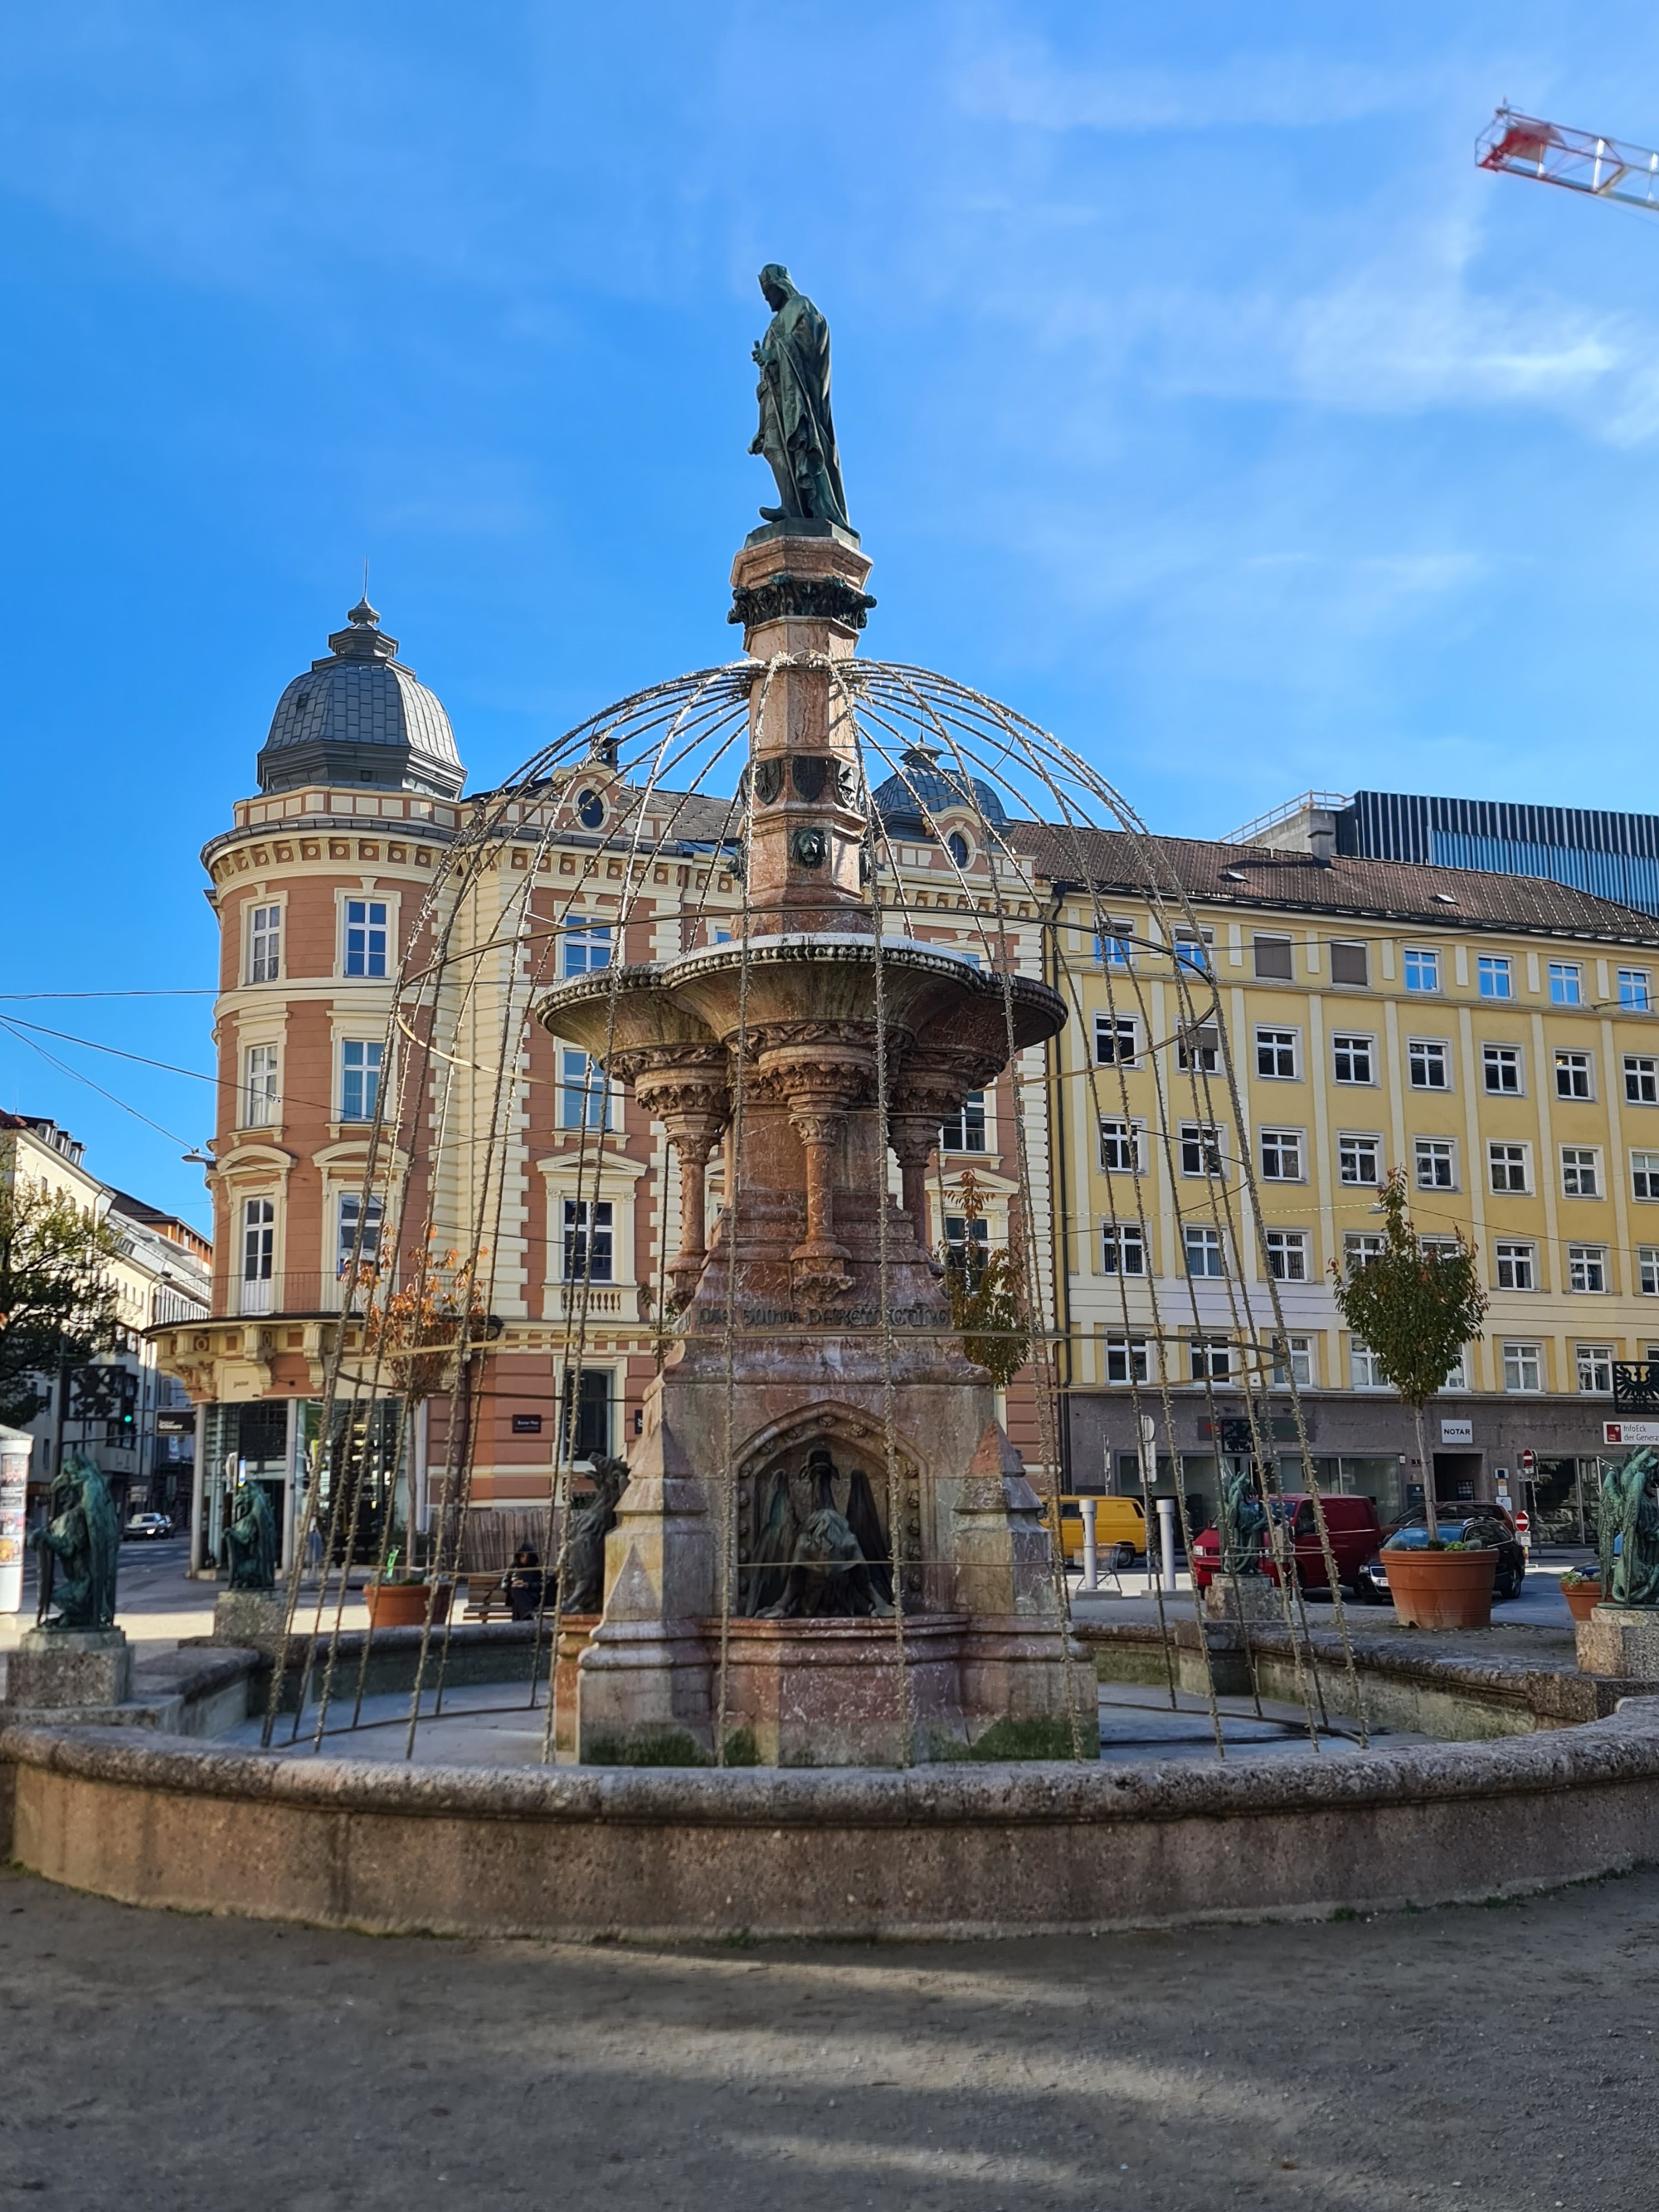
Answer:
(1166, 1540)
(1091, 1550)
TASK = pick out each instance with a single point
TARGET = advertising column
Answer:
(14, 1449)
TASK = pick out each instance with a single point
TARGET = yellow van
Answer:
(1120, 1529)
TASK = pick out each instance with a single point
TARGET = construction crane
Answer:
(1604, 167)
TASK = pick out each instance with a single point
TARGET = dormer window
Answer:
(958, 847)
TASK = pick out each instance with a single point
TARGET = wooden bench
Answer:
(486, 1592)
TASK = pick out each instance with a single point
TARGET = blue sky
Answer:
(1196, 394)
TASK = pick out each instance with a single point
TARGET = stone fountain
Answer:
(827, 1553)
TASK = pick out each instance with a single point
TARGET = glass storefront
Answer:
(278, 1443)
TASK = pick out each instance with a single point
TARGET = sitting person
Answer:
(525, 1583)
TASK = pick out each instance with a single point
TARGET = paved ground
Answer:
(1491, 2061)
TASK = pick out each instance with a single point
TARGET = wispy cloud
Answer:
(1020, 81)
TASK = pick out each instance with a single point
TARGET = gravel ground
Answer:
(1474, 2058)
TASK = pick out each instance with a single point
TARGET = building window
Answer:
(1422, 969)
(1633, 992)
(1428, 1063)
(360, 1079)
(1281, 1155)
(1352, 1059)
(1572, 1075)
(1497, 977)
(1287, 1255)
(1595, 1365)
(584, 1414)
(1350, 962)
(1508, 1165)
(1435, 1160)
(585, 948)
(1358, 1159)
(1121, 1146)
(589, 1240)
(258, 1254)
(1123, 1248)
(1197, 1051)
(1523, 1366)
(1580, 1171)
(1357, 1246)
(1515, 1266)
(1645, 1175)
(1191, 948)
(1211, 1358)
(964, 1130)
(1115, 1040)
(264, 945)
(364, 937)
(1201, 1148)
(584, 1094)
(1206, 1259)
(1457, 1376)
(1126, 1359)
(1647, 1271)
(1274, 960)
(1566, 981)
(1112, 947)
(1363, 1372)
(967, 1247)
(352, 1212)
(1500, 1069)
(1587, 1267)
(1275, 1054)
(1641, 1080)
(1293, 1361)
(259, 1088)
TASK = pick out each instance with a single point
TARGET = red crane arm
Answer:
(1604, 167)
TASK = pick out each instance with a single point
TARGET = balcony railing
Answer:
(298, 1291)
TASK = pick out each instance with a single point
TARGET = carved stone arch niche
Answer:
(772, 1476)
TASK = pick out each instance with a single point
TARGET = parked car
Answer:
(148, 1525)
(1120, 1529)
(1485, 1526)
(1351, 1523)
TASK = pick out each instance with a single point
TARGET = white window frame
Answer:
(1198, 1049)
(1587, 1269)
(1644, 1176)
(1117, 1040)
(1522, 1367)
(1635, 991)
(1274, 941)
(1424, 1057)
(1272, 1040)
(347, 1208)
(1345, 945)
(1283, 1155)
(258, 1254)
(1287, 1255)
(1209, 1358)
(1513, 1259)
(1124, 1241)
(1503, 1060)
(1122, 1134)
(1355, 1147)
(1126, 1360)
(1592, 1368)
(1351, 1045)
(369, 1073)
(1496, 969)
(1517, 1159)
(386, 929)
(1113, 945)
(1580, 1164)
(262, 1101)
(1647, 1271)
(1206, 1240)
(262, 959)
(588, 1225)
(580, 941)
(1364, 1373)
(1419, 961)
(1293, 1361)
(1434, 1153)
(1206, 1144)
(581, 1078)
(1184, 940)
(1576, 1065)
(1359, 1245)
(1566, 983)
(1641, 1073)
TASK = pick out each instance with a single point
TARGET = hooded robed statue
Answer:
(797, 434)
(80, 1547)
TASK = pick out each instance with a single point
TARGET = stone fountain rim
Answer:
(848, 947)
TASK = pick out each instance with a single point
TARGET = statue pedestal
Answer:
(1621, 1640)
(53, 1667)
(1230, 1611)
(253, 1619)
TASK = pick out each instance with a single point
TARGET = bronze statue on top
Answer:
(1243, 1524)
(80, 1549)
(1630, 1512)
(797, 434)
(250, 1544)
(590, 1522)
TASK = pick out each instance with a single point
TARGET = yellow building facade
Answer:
(1495, 1036)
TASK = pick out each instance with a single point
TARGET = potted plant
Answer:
(1582, 1592)
(1417, 1310)
(406, 1598)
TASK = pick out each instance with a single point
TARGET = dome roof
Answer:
(359, 716)
(926, 782)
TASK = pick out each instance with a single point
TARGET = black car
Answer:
(1484, 1527)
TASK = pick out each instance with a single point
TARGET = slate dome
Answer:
(359, 716)
(926, 782)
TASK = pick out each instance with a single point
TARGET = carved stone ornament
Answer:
(808, 847)
(768, 780)
(817, 598)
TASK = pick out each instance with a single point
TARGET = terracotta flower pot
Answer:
(1441, 1590)
(1582, 1598)
(403, 1605)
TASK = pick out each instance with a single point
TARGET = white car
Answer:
(148, 1524)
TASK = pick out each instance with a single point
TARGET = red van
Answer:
(1355, 1532)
